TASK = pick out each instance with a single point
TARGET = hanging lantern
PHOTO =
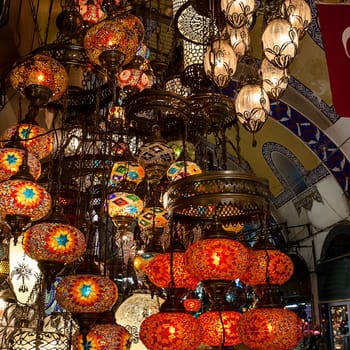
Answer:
(155, 156)
(132, 311)
(182, 169)
(10, 160)
(220, 62)
(105, 335)
(91, 12)
(158, 271)
(116, 115)
(40, 78)
(192, 304)
(216, 257)
(33, 137)
(29, 340)
(299, 15)
(252, 107)
(219, 328)
(239, 40)
(270, 328)
(153, 217)
(280, 42)
(274, 80)
(127, 170)
(238, 12)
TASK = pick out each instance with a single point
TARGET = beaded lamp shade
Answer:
(40, 70)
(216, 259)
(12, 158)
(49, 241)
(158, 271)
(181, 169)
(127, 170)
(268, 266)
(86, 293)
(170, 331)
(24, 198)
(220, 328)
(105, 337)
(33, 137)
(270, 328)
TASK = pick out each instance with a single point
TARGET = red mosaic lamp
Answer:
(217, 256)
(86, 294)
(105, 334)
(192, 304)
(53, 243)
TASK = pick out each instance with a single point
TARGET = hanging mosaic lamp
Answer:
(91, 12)
(270, 328)
(170, 329)
(22, 200)
(53, 243)
(33, 137)
(105, 334)
(216, 256)
(181, 169)
(40, 78)
(155, 156)
(192, 303)
(86, 294)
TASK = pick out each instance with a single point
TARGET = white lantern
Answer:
(239, 40)
(238, 12)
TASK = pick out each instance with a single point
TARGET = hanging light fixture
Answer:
(238, 13)
(239, 40)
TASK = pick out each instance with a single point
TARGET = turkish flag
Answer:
(334, 20)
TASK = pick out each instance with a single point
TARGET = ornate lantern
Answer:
(91, 12)
(238, 13)
(239, 40)
(40, 78)
(33, 137)
(270, 328)
(130, 171)
(220, 62)
(252, 107)
(158, 271)
(280, 42)
(274, 80)
(181, 169)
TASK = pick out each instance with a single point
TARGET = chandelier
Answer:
(134, 166)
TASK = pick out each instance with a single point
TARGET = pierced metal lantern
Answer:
(220, 62)
(238, 12)
(105, 337)
(280, 42)
(10, 160)
(270, 328)
(40, 74)
(170, 331)
(220, 328)
(33, 137)
(252, 107)
(158, 271)
(34, 340)
(49, 241)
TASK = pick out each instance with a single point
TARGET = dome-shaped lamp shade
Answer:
(33, 137)
(270, 328)
(181, 169)
(220, 328)
(220, 62)
(28, 340)
(86, 293)
(24, 198)
(127, 170)
(275, 80)
(153, 217)
(49, 241)
(192, 304)
(170, 331)
(252, 107)
(40, 70)
(268, 266)
(280, 42)
(105, 337)
(216, 259)
(158, 272)
(124, 204)
(299, 14)
(239, 40)
(12, 158)
(238, 12)
(111, 36)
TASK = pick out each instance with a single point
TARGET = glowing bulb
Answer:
(269, 328)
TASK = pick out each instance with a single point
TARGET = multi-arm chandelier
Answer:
(126, 193)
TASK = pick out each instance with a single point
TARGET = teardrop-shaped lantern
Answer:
(238, 12)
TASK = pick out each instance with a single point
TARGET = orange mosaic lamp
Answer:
(158, 271)
(220, 328)
(181, 169)
(270, 328)
(192, 304)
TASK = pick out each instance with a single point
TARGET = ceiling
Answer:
(303, 126)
